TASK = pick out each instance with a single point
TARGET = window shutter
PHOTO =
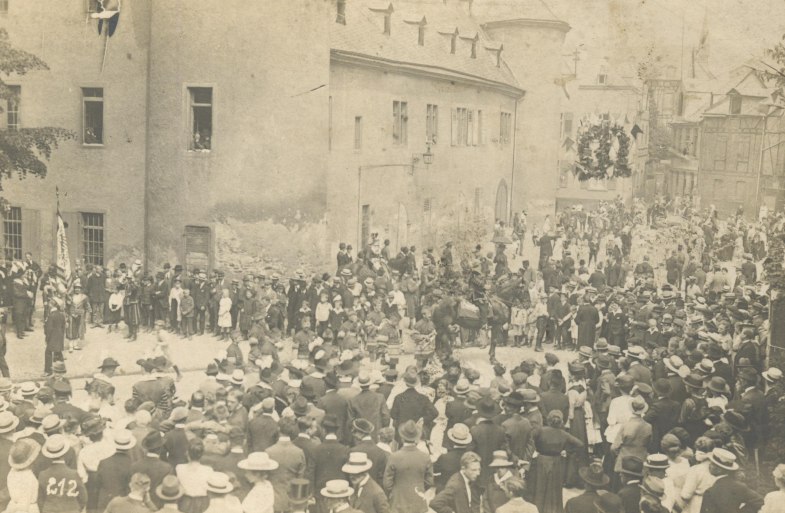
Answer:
(470, 128)
(454, 126)
(31, 232)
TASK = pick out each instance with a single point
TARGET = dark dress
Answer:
(547, 476)
(579, 457)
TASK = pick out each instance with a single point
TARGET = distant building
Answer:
(601, 91)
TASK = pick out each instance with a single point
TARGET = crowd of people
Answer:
(656, 393)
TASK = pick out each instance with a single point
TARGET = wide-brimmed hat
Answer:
(636, 352)
(92, 425)
(153, 441)
(258, 461)
(23, 453)
(593, 475)
(300, 406)
(337, 489)
(724, 459)
(673, 363)
(58, 367)
(736, 420)
(500, 460)
(51, 423)
(218, 482)
(124, 440)
(109, 363)
(28, 388)
(409, 431)
(719, 385)
(694, 380)
(362, 426)
(462, 387)
(237, 378)
(170, 489)
(8, 422)
(459, 434)
(56, 447)
(357, 463)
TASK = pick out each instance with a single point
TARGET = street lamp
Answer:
(427, 157)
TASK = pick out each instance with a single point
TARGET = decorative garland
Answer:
(595, 152)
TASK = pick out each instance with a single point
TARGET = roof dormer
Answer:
(384, 9)
(452, 36)
(419, 23)
(495, 49)
(734, 101)
(472, 39)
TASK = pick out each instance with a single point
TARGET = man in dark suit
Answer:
(369, 405)
(200, 291)
(263, 428)
(752, 399)
(412, 405)
(678, 390)
(337, 405)
(449, 463)
(594, 479)
(363, 442)
(330, 455)
(151, 464)
(487, 436)
(630, 492)
(462, 493)
(663, 415)
(728, 493)
(368, 495)
(457, 410)
(308, 446)
(114, 473)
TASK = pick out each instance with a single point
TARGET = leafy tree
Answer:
(23, 151)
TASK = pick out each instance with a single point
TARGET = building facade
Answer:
(207, 134)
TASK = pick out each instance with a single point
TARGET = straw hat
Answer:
(170, 490)
(357, 464)
(337, 489)
(56, 447)
(459, 434)
(8, 422)
(724, 459)
(218, 482)
(260, 461)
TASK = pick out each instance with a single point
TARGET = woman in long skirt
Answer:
(551, 445)
(577, 394)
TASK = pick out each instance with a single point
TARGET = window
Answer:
(12, 234)
(480, 139)
(358, 132)
(421, 34)
(12, 108)
(400, 123)
(341, 14)
(505, 125)
(602, 78)
(720, 150)
(743, 155)
(387, 22)
(201, 123)
(3, 6)
(470, 128)
(453, 42)
(93, 238)
(431, 123)
(735, 104)
(460, 126)
(566, 125)
(93, 115)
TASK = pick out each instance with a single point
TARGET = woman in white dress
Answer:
(22, 483)
(698, 478)
(774, 502)
(257, 467)
(225, 314)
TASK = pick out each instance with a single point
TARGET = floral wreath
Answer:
(602, 151)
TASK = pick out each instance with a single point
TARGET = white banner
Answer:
(63, 258)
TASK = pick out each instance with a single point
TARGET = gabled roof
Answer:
(362, 37)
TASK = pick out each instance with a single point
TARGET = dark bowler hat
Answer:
(593, 475)
(632, 465)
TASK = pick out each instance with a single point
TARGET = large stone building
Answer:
(208, 134)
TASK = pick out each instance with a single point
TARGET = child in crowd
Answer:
(187, 308)
(520, 319)
(115, 306)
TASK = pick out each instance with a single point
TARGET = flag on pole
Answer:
(63, 258)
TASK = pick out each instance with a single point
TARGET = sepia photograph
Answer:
(392, 256)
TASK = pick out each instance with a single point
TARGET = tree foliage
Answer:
(775, 71)
(659, 136)
(23, 151)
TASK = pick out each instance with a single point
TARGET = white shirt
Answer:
(260, 499)
(619, 411)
